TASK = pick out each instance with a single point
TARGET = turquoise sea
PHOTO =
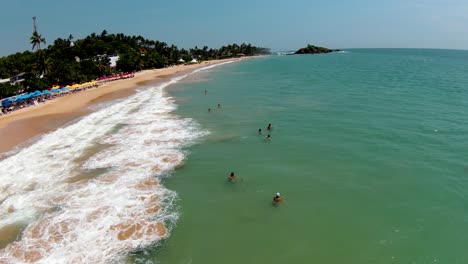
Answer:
(368, 149)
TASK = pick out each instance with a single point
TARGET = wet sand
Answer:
(24, 126)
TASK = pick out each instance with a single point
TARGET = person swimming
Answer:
(259, 131)
(277, 198)
(269, 127)
(232, 177)
(268, 137)
(209, 109)
(219, 105)
(206, 92)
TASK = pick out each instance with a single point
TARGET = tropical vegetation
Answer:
(311, 49)
(67, 61)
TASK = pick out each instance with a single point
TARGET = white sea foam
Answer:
(283, 53)
(71, 217)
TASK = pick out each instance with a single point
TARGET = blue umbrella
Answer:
(46, 92)
(6, 102)
(21, 97)
(55, 90)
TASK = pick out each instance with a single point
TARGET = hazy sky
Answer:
(279, 25)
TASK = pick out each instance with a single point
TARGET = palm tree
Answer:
(36, 40)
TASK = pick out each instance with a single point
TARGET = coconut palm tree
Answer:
(36, 40)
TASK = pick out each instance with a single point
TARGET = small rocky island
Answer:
(311, 49)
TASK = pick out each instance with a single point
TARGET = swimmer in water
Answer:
(205, 92)
(259, 131)
(277, 198)
(269, 127)
(209, 109)
(232, 177)
(219, 105)
(268, 137)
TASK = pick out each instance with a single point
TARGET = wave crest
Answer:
(82, 205)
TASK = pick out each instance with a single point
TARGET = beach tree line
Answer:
(67, 60)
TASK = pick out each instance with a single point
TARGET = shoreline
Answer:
(23, 126)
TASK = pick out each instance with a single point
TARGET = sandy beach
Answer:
(133, 207)
(23, 126)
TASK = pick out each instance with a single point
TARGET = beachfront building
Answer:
(15, 79)
(113, 60)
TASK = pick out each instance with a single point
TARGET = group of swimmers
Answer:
(219, 106)
(269, 127)
(276, 199)
(232, 177)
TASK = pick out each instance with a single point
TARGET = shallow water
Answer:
(90, 191)
(368, 150)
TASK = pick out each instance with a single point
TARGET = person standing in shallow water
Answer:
(206, 92)
(259, 131)
(277, 198)
(219, 105)
(269, 127)
(232, 177)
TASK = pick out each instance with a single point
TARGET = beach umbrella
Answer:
(22, 97)
(46, 92)
(36, 93)
(6, 102)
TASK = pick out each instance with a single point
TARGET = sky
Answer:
(279, 25)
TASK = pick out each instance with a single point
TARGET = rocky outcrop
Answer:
(311, 49)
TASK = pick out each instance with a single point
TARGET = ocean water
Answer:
(368, 150)
(90, 192)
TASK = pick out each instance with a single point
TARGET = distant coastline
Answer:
(53, 114)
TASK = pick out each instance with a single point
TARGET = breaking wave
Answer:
(89, 192)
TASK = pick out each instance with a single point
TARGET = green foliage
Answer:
(33, 83)
(16, 63)
(311, 49)
(36, 40)
(316, 49)
(187, 57)
(86, 59)
(6, 89)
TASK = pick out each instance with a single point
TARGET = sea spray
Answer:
(71, 219)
